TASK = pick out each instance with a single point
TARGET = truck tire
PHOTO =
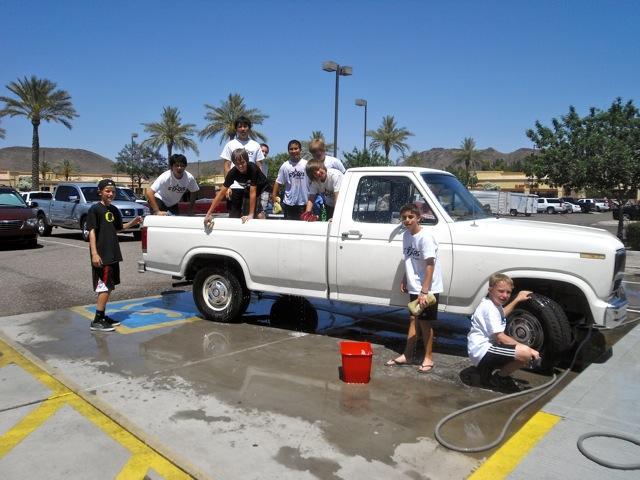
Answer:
(513, 212)
(218, 294)
(550, 210)
(541, 324)
(44, 230)
(85, 229)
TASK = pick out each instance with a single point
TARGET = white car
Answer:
(572, 207)
(596, 204)
(35, 196)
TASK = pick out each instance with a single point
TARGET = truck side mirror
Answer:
(32, 204)
(74, 198)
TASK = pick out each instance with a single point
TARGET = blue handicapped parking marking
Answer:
(148, 313)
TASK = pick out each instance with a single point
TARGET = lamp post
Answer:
(361, 102)
(345, 71)
(133, 136)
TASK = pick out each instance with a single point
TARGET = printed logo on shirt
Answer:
(108, 216)
(177, 189)
(296, 174)
(412, 252)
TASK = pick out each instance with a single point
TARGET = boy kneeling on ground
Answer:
(488, 346)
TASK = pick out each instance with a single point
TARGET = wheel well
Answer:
(572, 300)
(201, 261)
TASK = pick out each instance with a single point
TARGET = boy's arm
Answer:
(96, 260)
(135, 221)
(310, 200)
(252, 203)
(522, 296)
(276, 190)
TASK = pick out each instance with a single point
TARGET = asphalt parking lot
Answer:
(258, 399)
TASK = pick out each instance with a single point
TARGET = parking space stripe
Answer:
(143, 457)
(506, 458)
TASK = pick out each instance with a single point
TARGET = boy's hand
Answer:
(138, 220)
(403, 287)
(96, 260)
(246, 218)
(523, 295)
(208, 221)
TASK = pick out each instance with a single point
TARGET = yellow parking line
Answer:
(143, 457)
(507, 457)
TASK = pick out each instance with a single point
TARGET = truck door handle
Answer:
(351, 234)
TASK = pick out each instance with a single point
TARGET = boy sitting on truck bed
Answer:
(324, 182)
(491, 349)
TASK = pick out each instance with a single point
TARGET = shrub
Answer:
(633, 235)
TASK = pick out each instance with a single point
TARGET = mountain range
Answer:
(19, 158)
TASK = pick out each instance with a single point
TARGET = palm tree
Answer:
(66, 168)
(468, 156)
(38, 100)
(222, 118)
(389, 136)
(2, 132)
(170, 131)
(44, 169)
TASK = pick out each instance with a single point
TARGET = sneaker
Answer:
(503, 384)
(111, 321)
(101, 325)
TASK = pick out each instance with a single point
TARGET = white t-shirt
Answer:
(294, 178)
(170, 189)
(487, 320)
(333, 162)
(328, 188)
(416, 250)
(251, 146)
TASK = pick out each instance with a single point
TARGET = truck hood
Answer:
(530, 235)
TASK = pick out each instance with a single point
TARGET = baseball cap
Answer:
(107, 182)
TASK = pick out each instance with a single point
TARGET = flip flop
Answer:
(394, 363)
(426, 368)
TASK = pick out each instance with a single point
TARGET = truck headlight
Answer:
(31, 222)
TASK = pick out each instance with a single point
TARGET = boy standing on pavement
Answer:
(488, 346)
(317, 149)
(422, 276)
(104, 222)
(167, 190)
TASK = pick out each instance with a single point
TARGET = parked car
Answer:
(34, 196)
(18, 222)
(571, 207)
(584, 208)
(128, 192)
(550, 205)
(598, 205)
(629, 212)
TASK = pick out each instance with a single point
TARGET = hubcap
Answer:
(216, 292)
(525, 328)
(41, 226)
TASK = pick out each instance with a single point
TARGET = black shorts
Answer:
(431, 312)
(497, 357)
(238, 204)
(106, 277)
(173, 209)
(292, 212)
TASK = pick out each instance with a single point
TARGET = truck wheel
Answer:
(44, 230)
(513, 212)
(550, 210)
(85, 229)
(217, 293)
(541, 324)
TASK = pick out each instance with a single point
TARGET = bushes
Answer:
(633, 235)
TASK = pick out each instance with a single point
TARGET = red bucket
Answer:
(356, 361)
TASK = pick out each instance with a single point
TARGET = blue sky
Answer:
(445, 69)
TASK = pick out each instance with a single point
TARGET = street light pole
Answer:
(133, 136)
(361, 102)
(344, 71)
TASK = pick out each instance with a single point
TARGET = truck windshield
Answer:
(91, 194)
(454, 197)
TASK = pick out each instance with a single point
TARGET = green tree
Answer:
(414, 160)
(140, 163)
(468, 179)
(368, 158)
(221, 119)
(44, 169)
(66, 168)
(274, 163)
(38, 100)
(389, 136)
(170, 131)
(468, 156)
(600, 151)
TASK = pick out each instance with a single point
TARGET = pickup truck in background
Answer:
(575, 272)
(72, 201)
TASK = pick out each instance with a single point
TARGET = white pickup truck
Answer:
(576, 272)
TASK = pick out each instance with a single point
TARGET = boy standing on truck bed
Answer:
(422, 276)
(317, 149)
(488, 346)
(242, 126)
(167, 190)
(292, 175)
(104, 222)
